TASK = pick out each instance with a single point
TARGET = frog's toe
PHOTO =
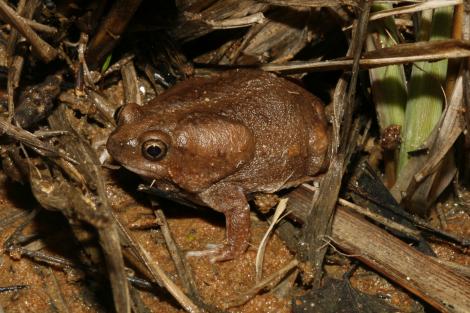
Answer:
(216, 253)
(212, 249)
(226, 253)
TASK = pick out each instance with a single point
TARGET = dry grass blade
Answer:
(380, 219)
(32, 141)
(111, 246)
(284, 33)
(245, 21)
(196, 24)
(158, 275)
(399, 54)
(426, 5)
(172, 288)
(270, 281)
(310, 3)
(281, 207)
(437, 49)
(178, 259)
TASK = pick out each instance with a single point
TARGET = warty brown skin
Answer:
(214, 141)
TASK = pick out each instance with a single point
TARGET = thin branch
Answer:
(399, 54)
(45, 51)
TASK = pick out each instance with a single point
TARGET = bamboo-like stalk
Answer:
(425, 89)
(388, 83)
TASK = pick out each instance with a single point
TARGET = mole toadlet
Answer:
(216, 141)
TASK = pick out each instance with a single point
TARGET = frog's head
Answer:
(192, 150)
(141, 144)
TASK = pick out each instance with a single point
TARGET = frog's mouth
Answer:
(138, 171)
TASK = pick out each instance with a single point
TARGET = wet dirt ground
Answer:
(42, 285)
(31, 285)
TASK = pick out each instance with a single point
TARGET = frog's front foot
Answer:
(229, 252)
(219, 252)
(212, 250)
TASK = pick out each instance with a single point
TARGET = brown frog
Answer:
(215, 141)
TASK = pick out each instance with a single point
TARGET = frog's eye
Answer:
(154, 149)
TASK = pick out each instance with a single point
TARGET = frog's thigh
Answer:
(231, 201)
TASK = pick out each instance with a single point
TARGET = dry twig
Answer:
(45, 51)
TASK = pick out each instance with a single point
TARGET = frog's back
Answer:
(287, 122)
